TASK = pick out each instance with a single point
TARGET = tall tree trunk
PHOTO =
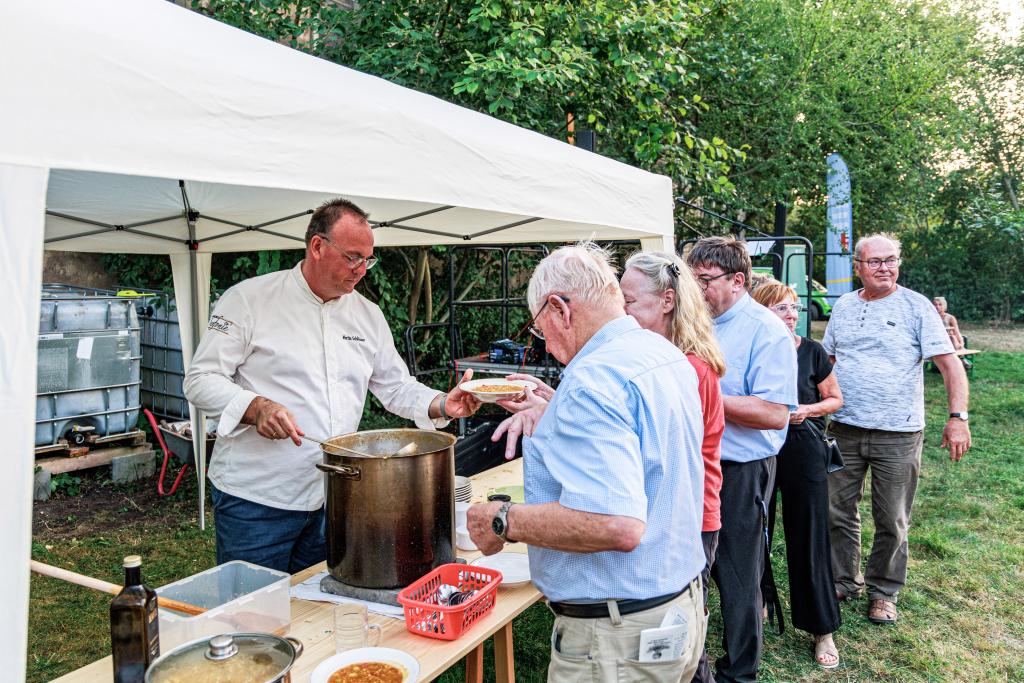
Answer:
(417, 284)
(428, 288)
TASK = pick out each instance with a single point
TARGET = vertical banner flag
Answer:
(839, 233)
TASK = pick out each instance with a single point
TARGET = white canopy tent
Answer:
(142, 127)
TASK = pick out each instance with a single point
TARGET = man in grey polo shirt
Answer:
(878, 338)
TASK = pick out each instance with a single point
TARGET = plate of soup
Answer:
(368, 665)
(497, 389)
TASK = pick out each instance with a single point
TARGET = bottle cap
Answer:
(132, 561)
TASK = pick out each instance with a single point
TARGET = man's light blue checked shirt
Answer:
(622, 436)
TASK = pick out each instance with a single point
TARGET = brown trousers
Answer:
(895, 462)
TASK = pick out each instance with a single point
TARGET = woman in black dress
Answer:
(802, 479)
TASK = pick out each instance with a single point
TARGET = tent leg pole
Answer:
(199, 426)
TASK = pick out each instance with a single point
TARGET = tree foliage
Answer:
(795, 81)
(739, 101)
(974, 256)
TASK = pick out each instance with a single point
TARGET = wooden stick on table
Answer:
(106, 586)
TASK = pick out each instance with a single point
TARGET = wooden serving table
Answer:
(312, 622)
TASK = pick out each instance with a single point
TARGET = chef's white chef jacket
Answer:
(271, 336)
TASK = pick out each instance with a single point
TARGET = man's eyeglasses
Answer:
(784, 308)
(876, 263)
(704, 282)
(353, 261)
(533, 329)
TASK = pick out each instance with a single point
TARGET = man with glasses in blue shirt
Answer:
(758, 391)
(293, 353)
(614, 482)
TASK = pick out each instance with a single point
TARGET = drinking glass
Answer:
(352, 629)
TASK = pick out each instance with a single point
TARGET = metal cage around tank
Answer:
(89, 357)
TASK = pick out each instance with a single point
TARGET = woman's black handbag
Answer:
(833, 456)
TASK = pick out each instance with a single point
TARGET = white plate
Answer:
(514, 567)
(386, 655)
(473, 385)
(463, 539)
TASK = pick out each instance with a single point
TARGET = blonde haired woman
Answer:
(802, 479)
(661, 293)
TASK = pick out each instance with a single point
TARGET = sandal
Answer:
(825, 653)
(882, 611)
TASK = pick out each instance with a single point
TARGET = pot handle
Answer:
(297, 644)
(345, 471)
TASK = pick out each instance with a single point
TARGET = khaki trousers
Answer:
(606, 650)
(895, 462)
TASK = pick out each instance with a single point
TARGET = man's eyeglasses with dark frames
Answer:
(353, 261)
(704, 282)
(876, 263)
(533, 329)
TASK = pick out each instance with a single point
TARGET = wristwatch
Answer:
(499, 525)
(962, 416)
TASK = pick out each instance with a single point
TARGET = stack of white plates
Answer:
(463, 490)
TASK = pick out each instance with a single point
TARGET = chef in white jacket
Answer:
(294, 353)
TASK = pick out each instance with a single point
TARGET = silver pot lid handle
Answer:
(221, 647)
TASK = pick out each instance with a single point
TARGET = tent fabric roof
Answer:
(112, 108)
(124, 99)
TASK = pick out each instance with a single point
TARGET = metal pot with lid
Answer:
(228, 658)
(390, 506)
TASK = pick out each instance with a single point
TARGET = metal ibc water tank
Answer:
(163, 369)
(89, 366)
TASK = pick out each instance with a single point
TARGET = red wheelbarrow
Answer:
(173, 443)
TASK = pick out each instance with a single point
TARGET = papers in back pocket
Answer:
(665, 643)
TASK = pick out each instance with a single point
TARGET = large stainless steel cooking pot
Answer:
(390, 519)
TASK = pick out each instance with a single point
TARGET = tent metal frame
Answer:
(192, 217)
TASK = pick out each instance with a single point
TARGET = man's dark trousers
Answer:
(739, 564)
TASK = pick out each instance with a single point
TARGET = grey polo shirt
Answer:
(880, 347)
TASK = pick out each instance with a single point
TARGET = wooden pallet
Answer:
(69, 450)
(94, 458)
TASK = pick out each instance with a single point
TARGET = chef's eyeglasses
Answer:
(534, 330)
(353, 261)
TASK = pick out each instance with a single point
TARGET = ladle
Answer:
(407, 449)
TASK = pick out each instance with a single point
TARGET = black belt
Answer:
(599, 610)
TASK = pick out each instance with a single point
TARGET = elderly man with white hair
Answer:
(614, 483)
(878, 338)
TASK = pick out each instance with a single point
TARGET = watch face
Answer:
(497, 526)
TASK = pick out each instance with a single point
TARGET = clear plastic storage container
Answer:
(238, 596)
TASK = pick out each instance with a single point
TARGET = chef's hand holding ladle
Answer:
(272, 420)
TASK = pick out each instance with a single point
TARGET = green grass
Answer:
(962, 615)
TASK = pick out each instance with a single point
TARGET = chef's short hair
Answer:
(582, 272)
(328, 213)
